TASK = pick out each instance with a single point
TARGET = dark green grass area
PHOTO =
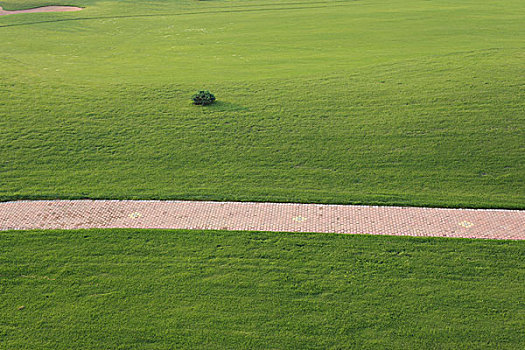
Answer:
(398, 102)
(147, 289)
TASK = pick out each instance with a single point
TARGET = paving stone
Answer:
(283, 217)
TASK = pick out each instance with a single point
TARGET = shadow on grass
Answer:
(224, 106)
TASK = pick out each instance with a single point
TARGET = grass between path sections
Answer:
(147, 289)
(377, 102)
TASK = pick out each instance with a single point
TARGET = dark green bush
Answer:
(203, 98)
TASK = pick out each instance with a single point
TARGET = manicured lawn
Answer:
(132, 289)
(388, 102)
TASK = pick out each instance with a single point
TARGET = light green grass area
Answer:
(405, 102)
(133, 289)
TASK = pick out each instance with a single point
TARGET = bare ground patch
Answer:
(41, 9)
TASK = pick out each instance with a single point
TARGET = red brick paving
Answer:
(286, 217)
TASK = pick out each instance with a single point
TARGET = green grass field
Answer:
(132, 289)
(405, 102)
(396, 102)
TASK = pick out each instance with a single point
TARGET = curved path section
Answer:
(287, 217)
(41, 9)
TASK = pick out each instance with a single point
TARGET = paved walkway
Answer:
(351, 219)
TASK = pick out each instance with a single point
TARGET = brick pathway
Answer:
(399, 221)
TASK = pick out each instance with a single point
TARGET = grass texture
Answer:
(392, 102)
(133, 289)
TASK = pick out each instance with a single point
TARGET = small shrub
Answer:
(203, 98)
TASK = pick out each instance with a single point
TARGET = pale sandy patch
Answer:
(41, 9)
